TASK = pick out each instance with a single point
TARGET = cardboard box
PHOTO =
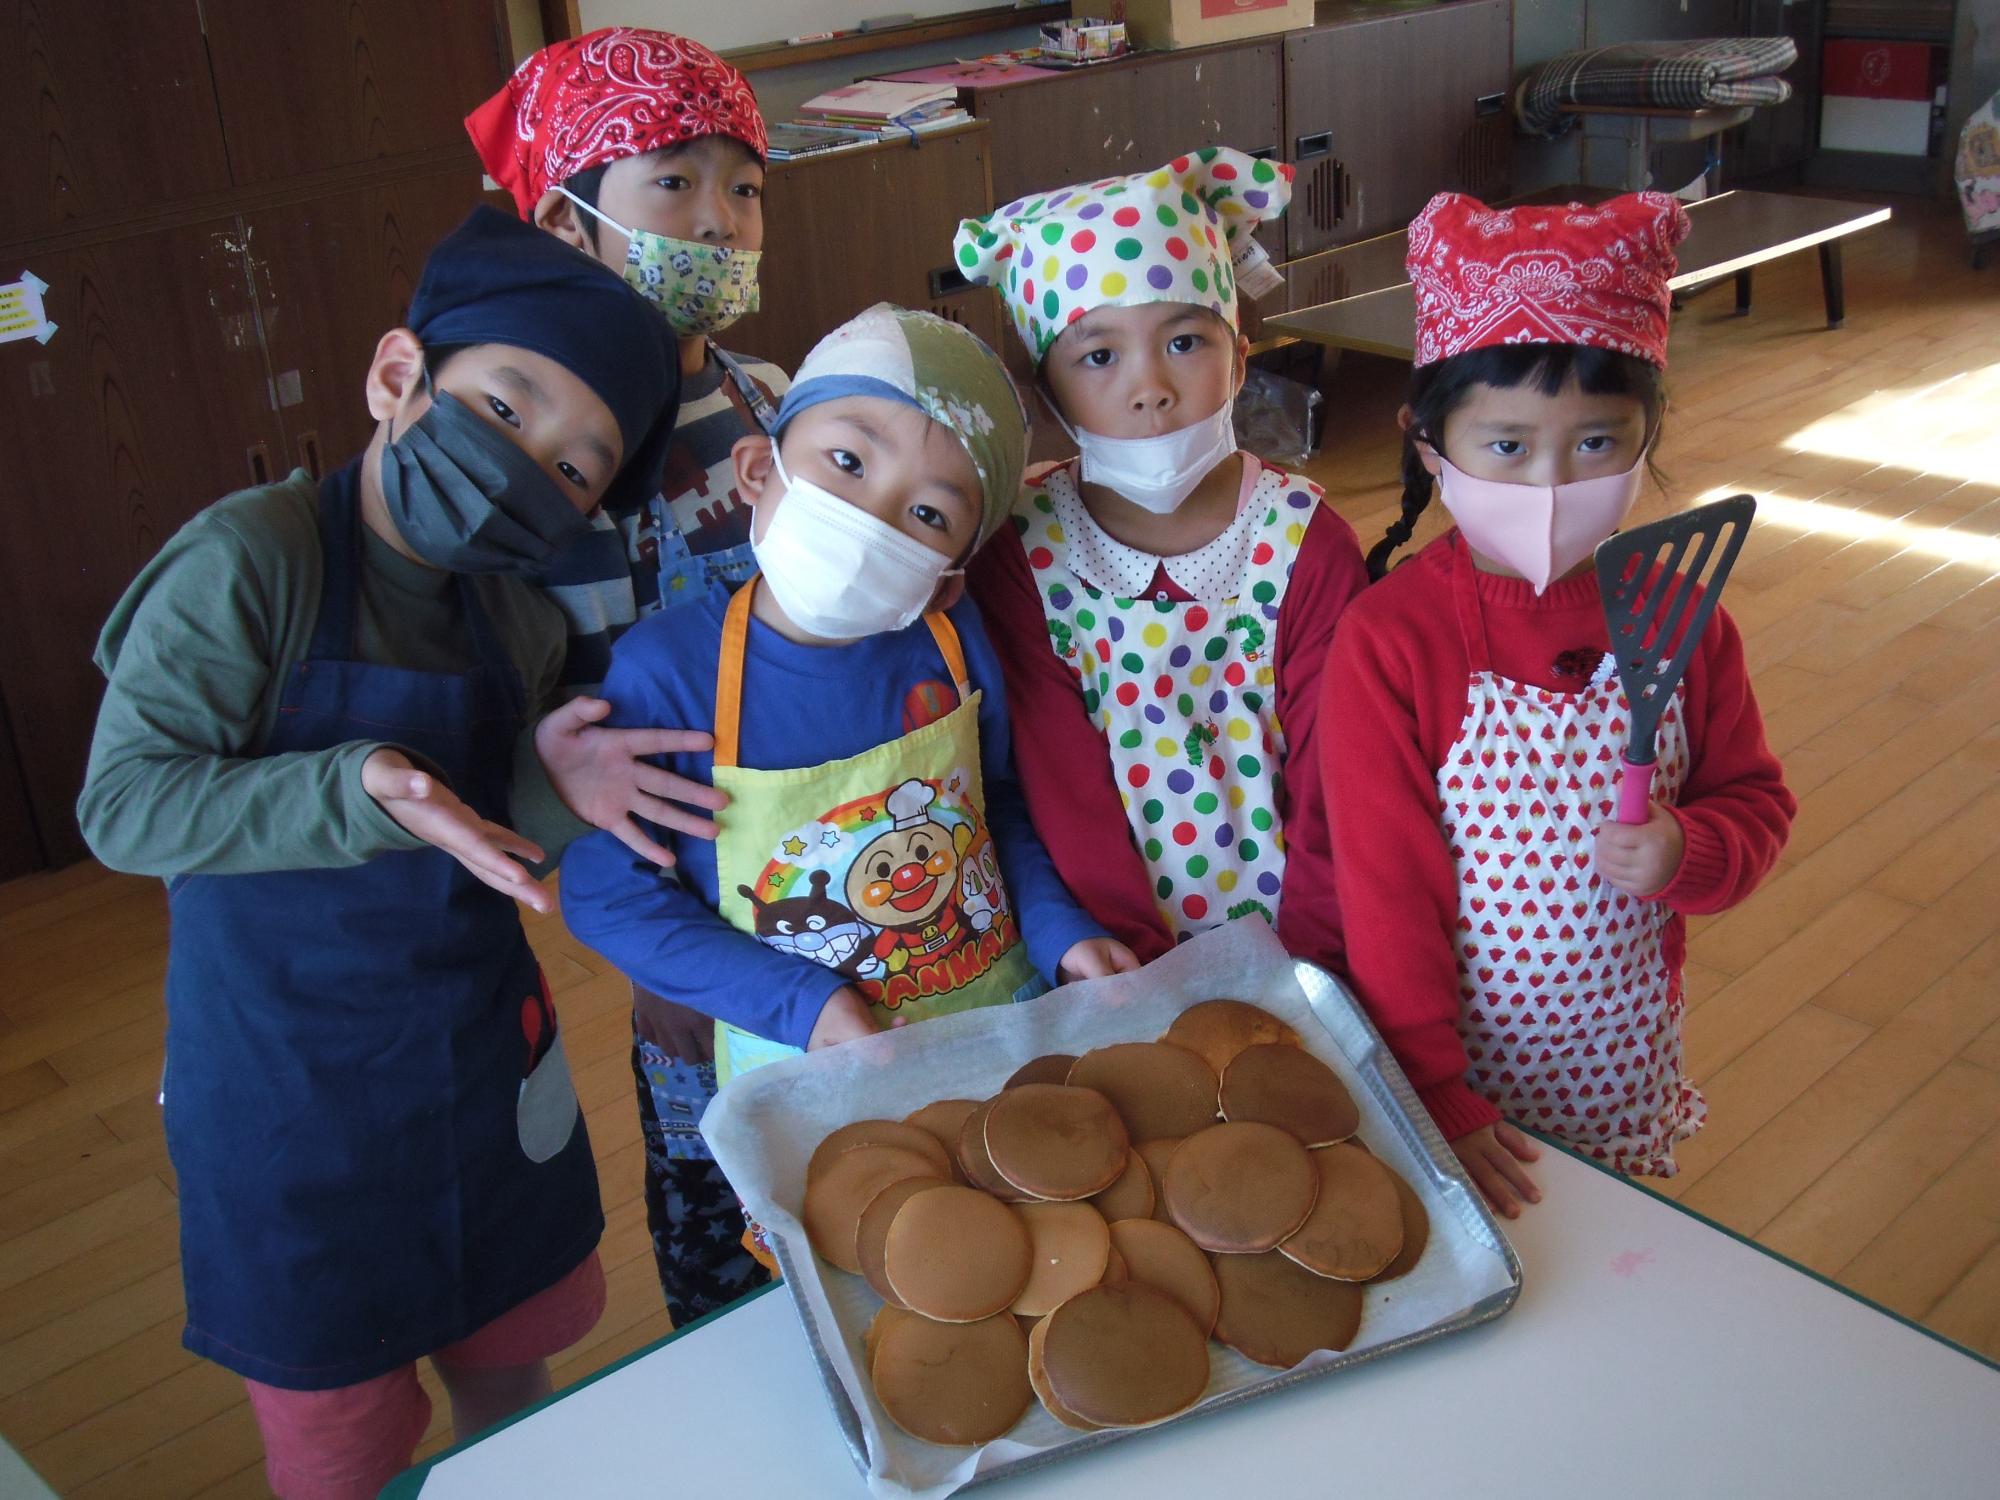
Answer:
(1876, 96)
(1156, 25)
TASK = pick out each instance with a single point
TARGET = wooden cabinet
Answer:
(1384, 110)
(826, 260)
(230, 200)
(1134, 115)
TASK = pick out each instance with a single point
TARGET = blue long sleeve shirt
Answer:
(802, 706)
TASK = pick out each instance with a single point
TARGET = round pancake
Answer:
(1051, 1068)
(1115, 1269)
(1070, 1246)
(1416, 1232)
(943, 1118)
(1158, 1089)
(1219, 1029)
(877, 1326)
(871, 1236)
(1290, 1088)
(1160, 1256)
(1052, 1141)
(837, 1197)
(1275, 1312)
(1132, 1195)
(1240, 1188)
(1038, 1379)
(1124, 1356)
(957, 1255)
(953, 1383)
(1356, 1226)
(1156, 1155)
(878, 1133)
(976, 1164)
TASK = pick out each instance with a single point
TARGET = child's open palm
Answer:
(424, 806)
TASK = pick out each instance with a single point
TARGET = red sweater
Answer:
(1065, 766)
(1394, 701)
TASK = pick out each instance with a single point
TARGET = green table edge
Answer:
(409, 1484)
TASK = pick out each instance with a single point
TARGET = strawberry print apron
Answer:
(1569, 1009)
(1184, 692)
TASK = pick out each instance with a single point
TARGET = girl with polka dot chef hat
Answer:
(1162, 604)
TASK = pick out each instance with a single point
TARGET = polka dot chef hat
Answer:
(1181, 233)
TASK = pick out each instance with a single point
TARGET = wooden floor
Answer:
(1846, 1021)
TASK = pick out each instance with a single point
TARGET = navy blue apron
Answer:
(367, 1103)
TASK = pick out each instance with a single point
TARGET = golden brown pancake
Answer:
(1124, 1356)
(1156, 1155)
(872, 1340)
(1115, 1269)
(943, 1119)
(957, 1255)
(953, 1383)
(871, 1236)
(1051, 1068)
(837, 1197)
(1162, 1257)
(1356, 1226)
(1070, 1246)
(1052, 1141)
(1240, 1188)
(1219, 1029)
(1132, 1195)
(1038, 1378)
(976, 1164)
(1276, 1312)
(1158, 1089)
(1290, 1088)
(1416, 1232)
(878, 1133)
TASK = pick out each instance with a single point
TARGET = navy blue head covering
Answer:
(497, 280)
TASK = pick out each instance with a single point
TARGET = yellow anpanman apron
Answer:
(879, 866)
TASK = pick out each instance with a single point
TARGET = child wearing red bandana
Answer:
(1519, 950)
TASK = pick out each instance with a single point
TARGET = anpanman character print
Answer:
(1184, 692)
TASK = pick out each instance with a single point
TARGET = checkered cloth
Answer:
(1662, 75)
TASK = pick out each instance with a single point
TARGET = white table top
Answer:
(1650, 1354)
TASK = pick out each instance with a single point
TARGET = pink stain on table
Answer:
(1628, 1263)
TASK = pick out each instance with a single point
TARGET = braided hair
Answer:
(1437, 390)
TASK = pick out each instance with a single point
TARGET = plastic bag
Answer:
(1278, 418)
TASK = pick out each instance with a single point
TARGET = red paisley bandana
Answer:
(1554, 274)
(617, 92)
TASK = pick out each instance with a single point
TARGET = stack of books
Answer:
(885, 106)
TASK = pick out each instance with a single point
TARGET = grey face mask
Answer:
(469, 501)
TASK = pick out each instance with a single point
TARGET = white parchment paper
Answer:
(765, 1124)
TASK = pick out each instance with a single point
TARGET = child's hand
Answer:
(1096, 958)
(1641, 858)
(434, 814)
(683, 1034)
(845, 1017)
(601, 777)
(1492, 1156)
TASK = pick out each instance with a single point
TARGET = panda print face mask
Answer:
(699, 288)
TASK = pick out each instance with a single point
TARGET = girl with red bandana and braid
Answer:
(1519, 949)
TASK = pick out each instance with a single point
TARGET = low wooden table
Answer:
(1358, 297)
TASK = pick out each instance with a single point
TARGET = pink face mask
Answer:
(1539, 531)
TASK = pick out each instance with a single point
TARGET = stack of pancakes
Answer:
(1081, 1235)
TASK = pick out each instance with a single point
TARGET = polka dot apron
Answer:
(1184, 692)
(1569, 1010)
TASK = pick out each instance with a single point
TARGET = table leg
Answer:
(1743, 294)
(1830, 284)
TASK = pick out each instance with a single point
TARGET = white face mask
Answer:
(839, 573)
(1157, 473)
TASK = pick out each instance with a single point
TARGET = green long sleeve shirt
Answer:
(197, 653)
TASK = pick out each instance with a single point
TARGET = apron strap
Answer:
(1465, 597)
(339, 550)
(752, 393)
(729, 668)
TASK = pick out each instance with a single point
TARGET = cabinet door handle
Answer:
(1307, 147)
(1264, 153)
(946, 280)
(1341, 192)
(1488, 104)
(260, 463)
(309, 453)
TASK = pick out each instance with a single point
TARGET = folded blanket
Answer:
(1660, 75)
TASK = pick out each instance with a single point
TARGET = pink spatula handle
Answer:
(1635, 792)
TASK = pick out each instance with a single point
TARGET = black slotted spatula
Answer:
(1657, 612)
